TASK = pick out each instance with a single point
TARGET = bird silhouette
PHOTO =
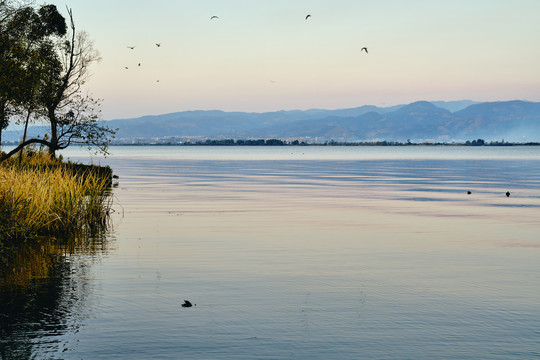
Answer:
(308, 16)
(365, 49)
(508, 194)
(158, 44)
(131, 47)
(214, 17)
(187, 303)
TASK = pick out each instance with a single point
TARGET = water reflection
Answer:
(44, 289)
(309, 259)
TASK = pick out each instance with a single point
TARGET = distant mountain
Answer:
(220, 124)
(454, 106)
(517, 121)
(511, 120)
(419, 121)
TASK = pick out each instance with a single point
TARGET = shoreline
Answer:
(276, 142)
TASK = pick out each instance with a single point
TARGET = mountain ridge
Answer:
(516, 120)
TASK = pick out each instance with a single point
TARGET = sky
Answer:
(263, 55)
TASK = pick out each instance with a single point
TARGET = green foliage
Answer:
(25, 37)
(479, 142)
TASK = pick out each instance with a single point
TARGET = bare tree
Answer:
(70, 114)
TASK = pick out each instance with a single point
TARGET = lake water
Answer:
(297, 253)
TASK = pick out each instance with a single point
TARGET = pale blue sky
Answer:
(264, 56)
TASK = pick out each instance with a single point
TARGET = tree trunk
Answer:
(54, 134)
(25, 132)
(22, 145)
(2, 119)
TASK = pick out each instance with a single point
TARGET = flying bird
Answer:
(365, 49)
(131, 47)
(187, 303)
(214, 17)
(158, 44)
(308, 16)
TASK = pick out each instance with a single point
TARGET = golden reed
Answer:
(40, 196)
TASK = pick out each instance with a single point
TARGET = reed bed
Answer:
(45, 197)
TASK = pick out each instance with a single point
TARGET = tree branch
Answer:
(24, 144)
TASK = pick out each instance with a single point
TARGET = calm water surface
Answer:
(297, 253)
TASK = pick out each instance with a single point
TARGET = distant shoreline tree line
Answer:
(44, 63)
(281, 142)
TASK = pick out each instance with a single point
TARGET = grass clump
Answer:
(40, 196)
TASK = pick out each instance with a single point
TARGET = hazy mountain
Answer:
(517, 121)
(454, 106)
(419, 121)
(511, 120)
(227, 124)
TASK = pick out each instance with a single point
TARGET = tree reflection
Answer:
(44, 291)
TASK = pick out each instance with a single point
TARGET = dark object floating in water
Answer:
(468, 192)
(508, 194)
(115, 177)
(187, 303)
